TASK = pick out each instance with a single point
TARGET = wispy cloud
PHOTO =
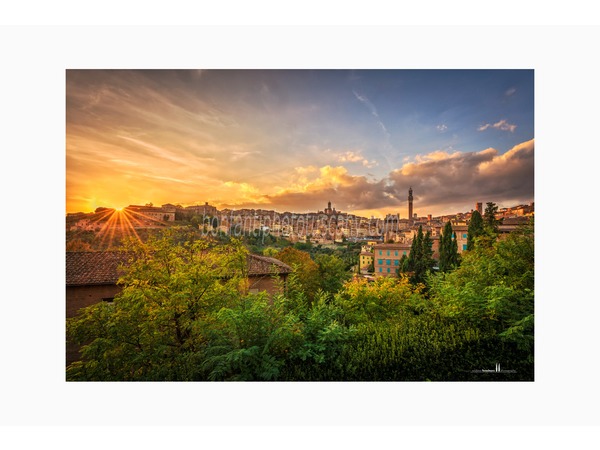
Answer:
(502, 125)
(365, 101)
(442, 127)
(510, 91)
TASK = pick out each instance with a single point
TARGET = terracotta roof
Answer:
(89, 268)
(460, 227)
(515, 220)
(263, 265)
(94, 268)
(390, 246)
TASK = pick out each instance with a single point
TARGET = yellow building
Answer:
(365, 260)
(366, 256)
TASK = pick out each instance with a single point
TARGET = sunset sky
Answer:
(292, 140)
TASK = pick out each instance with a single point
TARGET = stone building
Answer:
(151, 213)
(202, 210)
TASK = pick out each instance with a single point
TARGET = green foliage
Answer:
(489, 218)
(306, 269)
(184, 315)
(250, 340)
(322, 331)
(270, 251)
(156, 328)
(412, 348)
(448, 249)
(385, 298)
(494, 287)
(475, 229)
(303, 246)
(332, 272)
(420, 260)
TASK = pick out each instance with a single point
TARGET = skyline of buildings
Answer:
(326, 226)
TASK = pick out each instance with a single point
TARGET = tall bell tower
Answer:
(410, 200)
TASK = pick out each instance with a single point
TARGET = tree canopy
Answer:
(185, 314)
(448, 249)
(420, 260)
(475, 229)
(489, 217)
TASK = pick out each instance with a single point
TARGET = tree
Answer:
(420, 260)
(489, 217)
(332, 272)
(306, 269)
(427, 261)
(251, 340)
(157, 328)
(303, 246)
(371, 267)
(361, 301)
(415, 252)
(475, 229)
(448, 249)
(270, 251)
(494, 286)
(403, 265)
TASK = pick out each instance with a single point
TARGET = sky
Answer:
(292, 140)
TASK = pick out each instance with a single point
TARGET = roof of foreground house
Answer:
(92, 268)
(97, 268)
(264, 265)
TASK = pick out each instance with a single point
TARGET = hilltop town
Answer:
(390, 237)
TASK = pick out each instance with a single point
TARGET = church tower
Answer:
(410, 200)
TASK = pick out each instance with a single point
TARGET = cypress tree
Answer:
(443, 249)
(454, 258)
(448, 249)
(427, 261)
(489, 217)
(415, 251)
(420, 260)
(475, 229)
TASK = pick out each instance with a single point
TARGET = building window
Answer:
(464, 235)
(388, 253)
(387, 261)
(464, 246)
(396, 253)
(380, 253)
(388, 270)
(381, 269)
(396, 262)
(380, 261)
(404, 252)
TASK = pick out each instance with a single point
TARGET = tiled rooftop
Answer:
(85, 268)
(94, 268)
(263, 265)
